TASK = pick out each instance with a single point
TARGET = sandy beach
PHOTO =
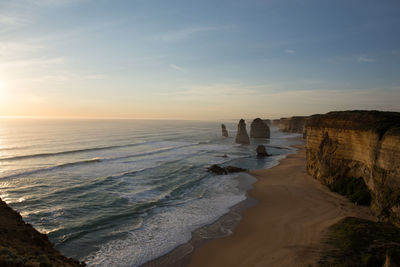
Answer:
(285, 227)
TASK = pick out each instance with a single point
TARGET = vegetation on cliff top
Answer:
(363, 120)
(358, 242)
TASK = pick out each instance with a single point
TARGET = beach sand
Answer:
(285, 227)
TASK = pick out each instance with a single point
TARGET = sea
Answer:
(124, 192)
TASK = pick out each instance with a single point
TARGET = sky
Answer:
(201, 60)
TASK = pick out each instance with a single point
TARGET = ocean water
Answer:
(123, 192)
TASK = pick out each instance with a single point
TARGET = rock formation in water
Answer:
(358, 144)
(22, 245)
(224, 130)
(259, 129)
(261, 151)
(224, 170)
(294, 124)
(241, 136)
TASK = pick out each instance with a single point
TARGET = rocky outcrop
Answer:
(261, 151)
(294, 124)
(241, 136)
(358, 144)
(22, 245)
(259, 129)
(218, 170)
(224, 130)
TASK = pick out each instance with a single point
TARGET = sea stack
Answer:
(224, 130)
(241, 136)
(259, 129)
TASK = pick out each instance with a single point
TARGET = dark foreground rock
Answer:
(261, 151)
(22, 245)
(218, 170)
(241, 136)
(224, 130)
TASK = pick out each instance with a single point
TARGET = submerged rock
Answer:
(261, 151)
(217, 169)
(241, 136)
(231, 169)
(259, 129)
(224, 170)
(224, 130)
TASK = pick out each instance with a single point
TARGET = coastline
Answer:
(224, 226)
(286, 225)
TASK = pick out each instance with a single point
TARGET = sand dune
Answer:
(286, 226)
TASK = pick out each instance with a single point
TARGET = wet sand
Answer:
(286, 225)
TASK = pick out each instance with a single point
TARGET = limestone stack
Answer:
(241, 136)
(259, 129)
(224, 130)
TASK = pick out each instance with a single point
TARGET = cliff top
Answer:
(363, 120)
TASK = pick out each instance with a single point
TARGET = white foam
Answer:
(168, 227)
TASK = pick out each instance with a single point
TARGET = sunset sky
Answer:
(197, 59)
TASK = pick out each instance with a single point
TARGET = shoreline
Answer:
(286, 225)
(224, 226)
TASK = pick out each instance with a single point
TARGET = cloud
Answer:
(241, 100)
(33, 62)
(14, 49)
(13, 20)
(175, 67)
(290, 51)
(366, 59)
(183, 33)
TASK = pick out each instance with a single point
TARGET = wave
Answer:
(63, 165)
(51, 154)
(152, 152)
(96, 160)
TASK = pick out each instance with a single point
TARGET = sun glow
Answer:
(2, 90)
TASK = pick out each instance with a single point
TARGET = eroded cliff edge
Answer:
(358, 144)
(294, 124)
(22, 245)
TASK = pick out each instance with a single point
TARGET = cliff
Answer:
(241, 136)
(358, 144)
(293, 124)
(22, 245)
(259, 129)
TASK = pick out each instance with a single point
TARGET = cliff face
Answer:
(358, 144)
(241, 136)
(293, 124)
(259, 129)
(22, 245)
